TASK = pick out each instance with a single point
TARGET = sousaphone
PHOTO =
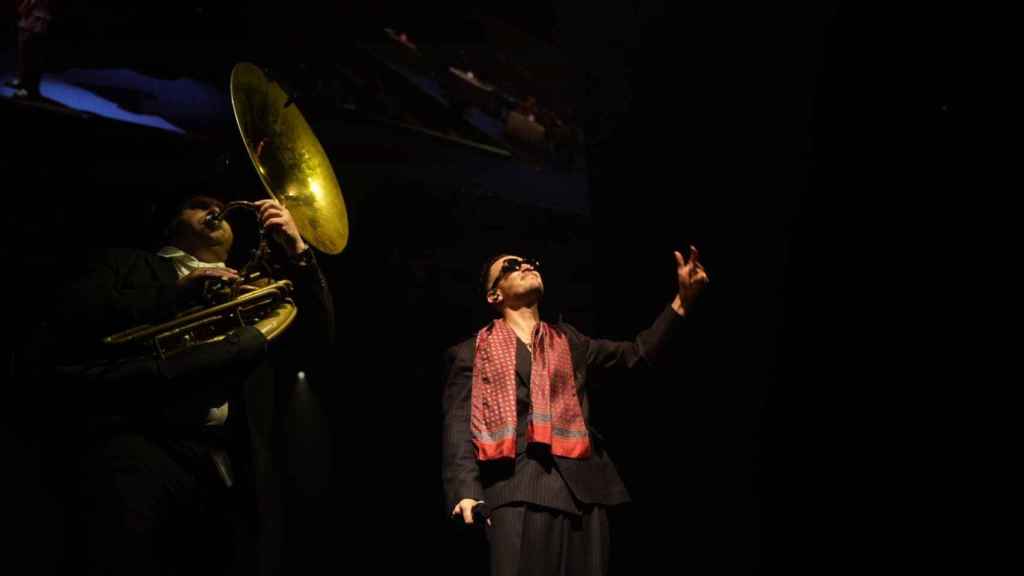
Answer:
(295, 171)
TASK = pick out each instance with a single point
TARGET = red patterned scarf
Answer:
(556, 418)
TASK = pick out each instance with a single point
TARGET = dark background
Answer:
(808, 151)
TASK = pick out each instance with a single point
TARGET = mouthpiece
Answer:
(212, 220)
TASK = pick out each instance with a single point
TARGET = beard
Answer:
(529, 295)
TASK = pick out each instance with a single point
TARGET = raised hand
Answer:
(692, 280)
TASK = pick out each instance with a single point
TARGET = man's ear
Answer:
(493, 296)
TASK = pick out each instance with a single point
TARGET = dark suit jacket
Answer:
(535, 476)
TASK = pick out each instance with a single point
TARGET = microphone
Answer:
(481, 512)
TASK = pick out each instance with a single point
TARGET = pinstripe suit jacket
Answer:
(535, 476)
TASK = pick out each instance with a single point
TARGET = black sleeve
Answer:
(313, 300)
(118, 290)
(109, 291)
(646, 349)
(459, 467)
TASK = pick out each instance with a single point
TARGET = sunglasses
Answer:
(511, 265)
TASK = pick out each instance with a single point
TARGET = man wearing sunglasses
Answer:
(519, 455)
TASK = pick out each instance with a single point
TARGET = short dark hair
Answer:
(485, 271)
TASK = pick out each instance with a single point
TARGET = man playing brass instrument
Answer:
(180, 472)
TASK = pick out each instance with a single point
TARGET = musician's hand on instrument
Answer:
(277, 220)
(194, 281)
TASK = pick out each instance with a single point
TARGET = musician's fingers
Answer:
(215, 273)
(278, 223)
(265, 205)
(268, 209)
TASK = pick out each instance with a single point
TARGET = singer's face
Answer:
(193, 227)
(515, 282)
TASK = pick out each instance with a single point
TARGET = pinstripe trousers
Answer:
(530, 540)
